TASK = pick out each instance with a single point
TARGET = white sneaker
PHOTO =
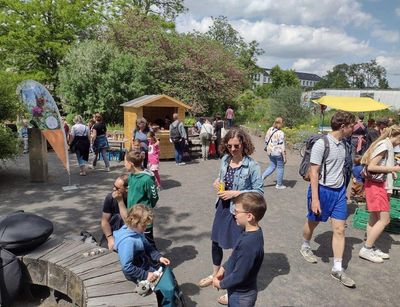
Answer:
(91, 167)
(107, 169)
(369, 254)
(182, 163)
(280, 187)
(379, 253)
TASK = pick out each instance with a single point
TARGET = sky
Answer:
(308, 35)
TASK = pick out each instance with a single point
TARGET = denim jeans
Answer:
(275, 162)
(81, 160)
(179, 151)
(230, 123)
(242, 299)
(104, 154)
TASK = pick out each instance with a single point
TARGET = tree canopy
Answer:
(362, 75)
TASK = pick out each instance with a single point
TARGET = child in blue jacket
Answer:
(133, 248)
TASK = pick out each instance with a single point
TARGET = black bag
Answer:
(304, 169)
(174, 133)
(10, 277)
(21, 232)
(73, 146)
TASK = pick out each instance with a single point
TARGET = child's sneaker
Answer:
(343, 278)
(280, 186)
(369, 254)
(308, 255)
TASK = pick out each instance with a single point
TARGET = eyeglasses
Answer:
(117, 188)
(237, 146)
(235, 211)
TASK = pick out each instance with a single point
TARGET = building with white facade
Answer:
(307, 80)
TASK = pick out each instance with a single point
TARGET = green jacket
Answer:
(142, 189)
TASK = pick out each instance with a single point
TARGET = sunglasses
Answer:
(229, 146)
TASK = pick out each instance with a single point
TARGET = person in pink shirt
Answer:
(154, 156)
(229, 115)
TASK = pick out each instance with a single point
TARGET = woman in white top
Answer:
(206, 133)
(79, 143)
(379, 160)
(275, 147)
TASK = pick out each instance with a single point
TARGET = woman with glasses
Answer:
(238, 173)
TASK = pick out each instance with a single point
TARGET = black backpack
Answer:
(20, 232)
(174, 133)
(10, 277)
(304, 169)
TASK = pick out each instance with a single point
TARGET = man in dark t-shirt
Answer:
(114, 211)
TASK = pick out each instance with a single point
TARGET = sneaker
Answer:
(91, 166)
(369, 254)
(308, 255)
(280, 187)
(379, 253)
(107, 169)
(182, 163)
(343, 278)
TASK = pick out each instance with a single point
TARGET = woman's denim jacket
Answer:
(246, 179)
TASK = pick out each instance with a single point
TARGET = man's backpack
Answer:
(11, 277)
(304, 169)
(167, 290)
(174, 133)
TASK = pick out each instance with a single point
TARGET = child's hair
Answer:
(253, 203)
(357, 160)
(139, 215)
(135, 157)
(151, 135)
(136, 145)
(392, 131)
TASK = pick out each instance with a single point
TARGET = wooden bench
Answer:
(87, 280)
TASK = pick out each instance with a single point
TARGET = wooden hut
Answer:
(156, 109)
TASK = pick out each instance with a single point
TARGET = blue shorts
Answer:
(333, 204)
(242, 299)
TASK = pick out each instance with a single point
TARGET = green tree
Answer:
(223, 32)
(285, 102)
(250, 107)
(193, 68)
(35, 35)
(362, 75)
(98, 77)
(168, 9)
(283, 78)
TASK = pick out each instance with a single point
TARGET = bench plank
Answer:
(110, 289)
(91, 262)
(45, 248)
(114, 277)
(62, 252)
(127, 299)
(107, 269)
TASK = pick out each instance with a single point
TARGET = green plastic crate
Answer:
(394, 226)
(396, 183)
(360, 219)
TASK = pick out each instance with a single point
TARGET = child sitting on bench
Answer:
(134, 250)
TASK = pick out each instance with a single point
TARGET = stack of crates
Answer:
(361, 217)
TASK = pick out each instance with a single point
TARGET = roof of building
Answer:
(146, 99)
(300, 75)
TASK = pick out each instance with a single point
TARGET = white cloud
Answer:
(287, 41)
(391, 63)
(386, 35)
(309, 12)
(290, 41)
(397, 11)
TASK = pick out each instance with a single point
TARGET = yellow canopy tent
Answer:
(351, 104)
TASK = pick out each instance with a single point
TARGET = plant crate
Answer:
(360, 219)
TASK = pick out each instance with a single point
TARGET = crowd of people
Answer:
(127, 218)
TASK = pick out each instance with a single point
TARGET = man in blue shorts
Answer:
(327, 193)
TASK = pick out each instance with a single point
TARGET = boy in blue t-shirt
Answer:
(357, 186)
(239, 274)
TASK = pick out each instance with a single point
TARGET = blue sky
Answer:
(308, 35)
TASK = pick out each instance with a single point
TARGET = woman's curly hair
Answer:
(244, 138)
(139, 215)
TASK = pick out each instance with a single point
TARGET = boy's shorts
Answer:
(332, 201)
(242, 299)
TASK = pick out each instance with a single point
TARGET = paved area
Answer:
(184, 217)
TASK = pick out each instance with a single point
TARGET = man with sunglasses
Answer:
(114, 211)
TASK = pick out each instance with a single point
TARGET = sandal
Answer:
(205, 282)
(223, 299)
